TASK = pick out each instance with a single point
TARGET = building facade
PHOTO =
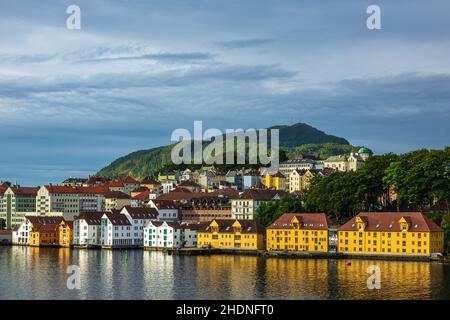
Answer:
(390, 233)
(232, 234)
(16, 203)
(299, 232)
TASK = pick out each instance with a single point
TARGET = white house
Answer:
(86, 229)
(163, 234)
(167, 209)
(139, 218)
(115, 230)
(190, 234)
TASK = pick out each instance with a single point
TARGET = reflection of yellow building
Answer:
(65, 233)
(274, 181)
(392, 233)
(232, 234)
(299, 232)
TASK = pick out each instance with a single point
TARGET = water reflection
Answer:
(40, 273)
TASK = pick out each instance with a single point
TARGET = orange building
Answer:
(65, 233)
(44, 235)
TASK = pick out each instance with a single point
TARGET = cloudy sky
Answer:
(71, 101)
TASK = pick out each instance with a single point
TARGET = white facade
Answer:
(166, 212)
(86, 229)
(68, 200)
(115, 230)
(159, 234)
(139, 218)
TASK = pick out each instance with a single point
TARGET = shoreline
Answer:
(261, 253)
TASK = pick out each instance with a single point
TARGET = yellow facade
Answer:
(295, 232)
(41, 237)
(275, 181)
(65, 234)
(300, 180)
(402, 241)
(232, 234)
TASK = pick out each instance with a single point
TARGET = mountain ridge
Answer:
(294, 139)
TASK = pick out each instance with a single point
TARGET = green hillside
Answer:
(295, 139)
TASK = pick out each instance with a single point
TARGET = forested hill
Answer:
(297, 138)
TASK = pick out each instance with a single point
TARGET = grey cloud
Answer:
(245, 43)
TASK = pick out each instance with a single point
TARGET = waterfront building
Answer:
(44, 231)
(299, 232)
(390, 233)
(116, 200)
(232, 234)
(276, 181)
(17, 202)
(190, 233)
(70, 201)
(168, 210)
(115, 230)
(65, 233)
(139, 218)
(245, 205)
(163, 235)
(86, 229)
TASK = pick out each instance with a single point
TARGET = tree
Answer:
(270, 211)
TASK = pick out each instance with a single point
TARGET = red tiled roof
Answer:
(115, 184)
(26, 191)
(309, 221)
(142, 196)
(79, 190)
(129, 180)
(389, 222)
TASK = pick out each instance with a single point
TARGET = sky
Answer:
(72, 101)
